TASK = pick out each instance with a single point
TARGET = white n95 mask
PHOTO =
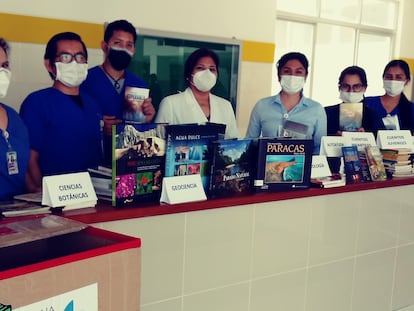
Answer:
(204, 80)
(292, 84)
(5, 76)
(71, 74)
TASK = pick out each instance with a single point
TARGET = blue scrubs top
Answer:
(17, 141)
(66, 135)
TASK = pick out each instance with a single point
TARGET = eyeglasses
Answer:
(355, 87)
(67, 58)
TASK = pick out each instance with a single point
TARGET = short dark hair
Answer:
(293, 55)
(121, 24)
(4, 46)
(51, 47)
(354, 70)
(192, 60)
(398, 63)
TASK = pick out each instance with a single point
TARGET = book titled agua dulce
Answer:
(188, 149)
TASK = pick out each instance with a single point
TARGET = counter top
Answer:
(104, 212)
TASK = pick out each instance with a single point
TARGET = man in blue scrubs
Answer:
(63, 123)
(106, 83)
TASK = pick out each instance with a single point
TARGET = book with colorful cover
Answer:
(188, 149)
(352, 165)
(283, 164)
(138, 162)
(375, 163)
(233, 167)
(350, 116)
(365, 171)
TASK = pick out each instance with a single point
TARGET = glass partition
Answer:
(160, 57)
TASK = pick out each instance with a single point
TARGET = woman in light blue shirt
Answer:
(271, 113)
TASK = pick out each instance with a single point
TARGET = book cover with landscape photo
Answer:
(350, 116)
(352, 165)
(138, 162)
(188, 149)
(283, 164)
(233, 167)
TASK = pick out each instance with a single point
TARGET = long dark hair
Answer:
(405, 107)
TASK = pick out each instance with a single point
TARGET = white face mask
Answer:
(292, 84)
(393, 87)
(5, 76)
(351, 97)
(204, 80)
(71, 74)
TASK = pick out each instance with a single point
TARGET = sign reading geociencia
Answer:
(81, 299)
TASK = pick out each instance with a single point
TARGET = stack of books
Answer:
(102, 182)
(398, 162)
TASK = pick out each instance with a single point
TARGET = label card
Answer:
(181, 189)
(390, 139)
(359, 139)
(68, 190)
(320, 167)
(331, 146)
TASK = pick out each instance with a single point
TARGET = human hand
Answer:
(148, 109)
(108, 122)
(361, 129)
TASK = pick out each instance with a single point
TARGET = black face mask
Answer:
(119, 59)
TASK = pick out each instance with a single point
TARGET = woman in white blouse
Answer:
(197, 104)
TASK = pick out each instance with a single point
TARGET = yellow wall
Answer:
(29, 32)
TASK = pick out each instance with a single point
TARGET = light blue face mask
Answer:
(292, 84)
(71, 74)
(351, 97)
(393, 87)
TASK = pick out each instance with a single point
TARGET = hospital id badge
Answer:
(12, 163)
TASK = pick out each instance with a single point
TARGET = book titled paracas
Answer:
(283, 164)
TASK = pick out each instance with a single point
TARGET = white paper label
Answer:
(320, 167)
(331, 146)
(359, 139)
(67, 189)
(181, 189)
(395, 139)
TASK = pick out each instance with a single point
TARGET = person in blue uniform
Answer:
(106, 83)
(14, 139)
(269, 115)
(394, 108)
(63, 123)
(352, 85)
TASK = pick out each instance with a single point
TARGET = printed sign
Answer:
(181, 189)
(84, 298)
(68, 190)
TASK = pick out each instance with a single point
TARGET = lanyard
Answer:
(6, 138)
(11, 155)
